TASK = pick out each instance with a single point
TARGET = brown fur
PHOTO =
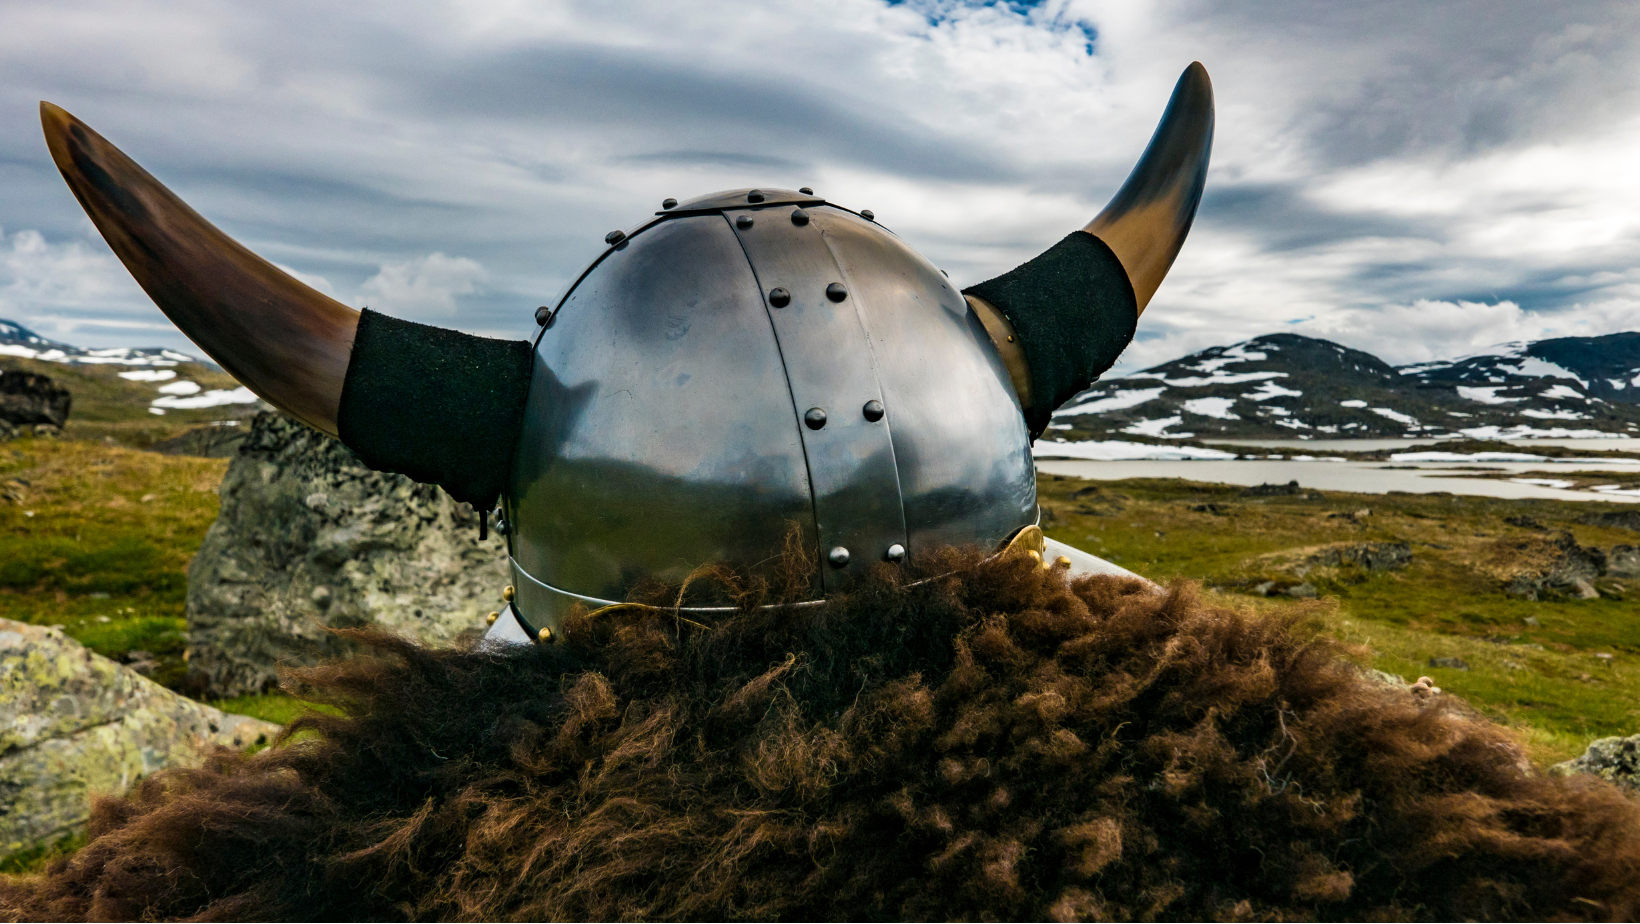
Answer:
(995, 745)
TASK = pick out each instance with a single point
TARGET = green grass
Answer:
(110, 409)
(96, 539)
(35, 859)
(272, 707)
(1543, 679)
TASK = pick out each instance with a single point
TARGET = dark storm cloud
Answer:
(1283, 219)
(734, 105)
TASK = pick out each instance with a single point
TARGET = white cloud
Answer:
(63, 288)
(1427, 330)
(1379, 169)
(422, 287)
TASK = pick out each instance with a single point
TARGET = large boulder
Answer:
(1623, 561)
(1615, 760)
(28, 400)
(309, 537)
(74, 724)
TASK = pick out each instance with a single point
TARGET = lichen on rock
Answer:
(1616, 760)
(74, 724)
(309, 537)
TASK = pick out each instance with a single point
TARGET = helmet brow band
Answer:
(438, 405)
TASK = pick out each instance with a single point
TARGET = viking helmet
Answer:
(739, 368)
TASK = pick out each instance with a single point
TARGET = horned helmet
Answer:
(737, 369)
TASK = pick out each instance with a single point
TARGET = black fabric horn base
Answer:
(440, 406)
(1074, 311)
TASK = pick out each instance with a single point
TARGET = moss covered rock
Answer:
(74, 725)
(1616, 760)
(310, 538)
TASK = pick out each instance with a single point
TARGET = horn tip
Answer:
(53, 115)
(1195, 76)
(58, 125)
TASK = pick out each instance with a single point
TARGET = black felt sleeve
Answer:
(1074, 311)
(438, 405)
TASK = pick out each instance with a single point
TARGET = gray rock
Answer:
(1623, 561)
(309, 537)
(1373, 556)
(1622, 519)
(74, 724)
(28, 400)
(1272, 490)
(215, 442)
(1555, 567)
(1616, 760)
(1457, 664)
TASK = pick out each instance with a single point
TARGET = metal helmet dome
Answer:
(748, 363)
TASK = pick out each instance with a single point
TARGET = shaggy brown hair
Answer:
(999, 745)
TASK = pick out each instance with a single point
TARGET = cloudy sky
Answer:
(1416, 179)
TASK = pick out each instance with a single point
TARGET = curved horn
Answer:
(1145, 223)
(287, 342)
(1060, 320)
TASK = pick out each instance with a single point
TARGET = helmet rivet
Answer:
(669, 203)
(508, 593)
(779, 297)
(873, 410)
(836, 292)
(744, 221)
(614, 237)
(868, 214)
(895, 553)
(544, 636)
(543, 314)
(805, 190)
(490, 619)
(800, 217)
(815, 418)
(838, 557)
(755, 195)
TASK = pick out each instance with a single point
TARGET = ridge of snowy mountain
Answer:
(117, 383)
(1606, 367)
(1291, 386)
(17, 340)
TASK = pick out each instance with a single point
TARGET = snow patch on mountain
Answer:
(1212, 407)
(17, 340)
(1124, 451)
(1313, 388)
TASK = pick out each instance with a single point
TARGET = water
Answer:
(1622, 444)
(1360, 477)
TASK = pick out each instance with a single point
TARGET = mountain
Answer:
(132, 395)
(1291, 386)
(1607, 368)
(17, 340)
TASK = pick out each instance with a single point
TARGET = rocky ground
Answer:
(1525, 608)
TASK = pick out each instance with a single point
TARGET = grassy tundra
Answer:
(96, 538)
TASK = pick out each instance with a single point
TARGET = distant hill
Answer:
(132, 395)
(1607, 368)
(17, 340)
(1290, 386)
